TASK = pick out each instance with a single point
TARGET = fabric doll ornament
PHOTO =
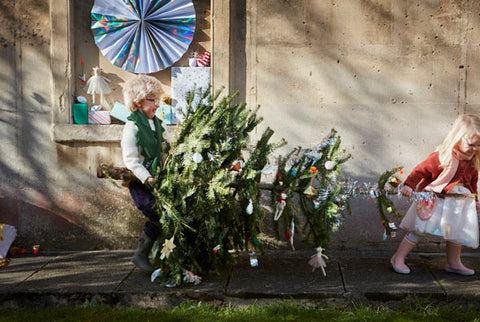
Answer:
(282, 202)
(97, 84)
(317, 260)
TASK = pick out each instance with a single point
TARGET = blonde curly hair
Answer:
(466, 126)
(139, 88)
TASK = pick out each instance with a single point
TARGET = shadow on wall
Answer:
(367, 68)
(47, 200)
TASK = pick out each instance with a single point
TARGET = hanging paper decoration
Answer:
(143, 36)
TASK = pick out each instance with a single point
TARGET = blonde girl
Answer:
(451, 169)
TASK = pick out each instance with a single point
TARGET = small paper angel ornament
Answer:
(97, 84)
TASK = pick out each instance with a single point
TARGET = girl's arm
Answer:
(426, 170)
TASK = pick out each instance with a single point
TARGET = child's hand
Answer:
(407, 191)
(151, 181)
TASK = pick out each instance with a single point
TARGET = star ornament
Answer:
(168, 247)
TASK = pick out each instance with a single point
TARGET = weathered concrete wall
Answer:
(49, 190)
(390, 76)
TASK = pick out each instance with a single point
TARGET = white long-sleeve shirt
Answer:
(132, 157)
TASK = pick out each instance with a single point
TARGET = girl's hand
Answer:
(407, 191)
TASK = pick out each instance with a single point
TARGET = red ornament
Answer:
(287, 234)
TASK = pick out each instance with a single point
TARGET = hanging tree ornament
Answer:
(280, 206)
(317, 260)
(168, 247)
(143, 36)
(311, 191)
(249, 209)
(197, 157)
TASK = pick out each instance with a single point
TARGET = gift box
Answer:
(204, 59)
(185, 80)
(164, 113)
(99, 117)
(120, 112)
(80, 113)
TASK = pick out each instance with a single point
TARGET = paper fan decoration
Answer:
(7, 236)
(143, 36)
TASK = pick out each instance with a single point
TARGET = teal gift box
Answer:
(80, 113)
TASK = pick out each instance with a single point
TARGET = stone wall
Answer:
(389, 76)
(48, 165)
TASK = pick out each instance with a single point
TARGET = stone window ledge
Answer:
(73, 133)
(80, 133)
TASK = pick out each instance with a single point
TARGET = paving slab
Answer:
(138, 288)
(374, 279)
(82, 272)
(456, 286)
(284, 274)
(21, 267)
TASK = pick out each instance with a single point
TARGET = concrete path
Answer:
(109, 278)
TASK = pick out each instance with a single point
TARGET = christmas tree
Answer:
(315, 174)
(209, 192)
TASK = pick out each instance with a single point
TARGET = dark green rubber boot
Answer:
(140, 257)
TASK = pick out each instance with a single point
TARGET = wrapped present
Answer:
(99, 117)
(80, 113)
(185, 80)
(7, 236)
(204, 59)
(120, 112)
(164, 113)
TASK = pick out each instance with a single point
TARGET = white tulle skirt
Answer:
(98, 85)
(455, 219)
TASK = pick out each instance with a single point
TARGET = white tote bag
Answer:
(7, 236)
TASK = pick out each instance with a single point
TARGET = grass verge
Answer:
(418, 310)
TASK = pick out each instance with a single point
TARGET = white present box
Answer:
(185, 80)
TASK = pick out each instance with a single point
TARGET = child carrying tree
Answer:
(141, 148)
(451, 169)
